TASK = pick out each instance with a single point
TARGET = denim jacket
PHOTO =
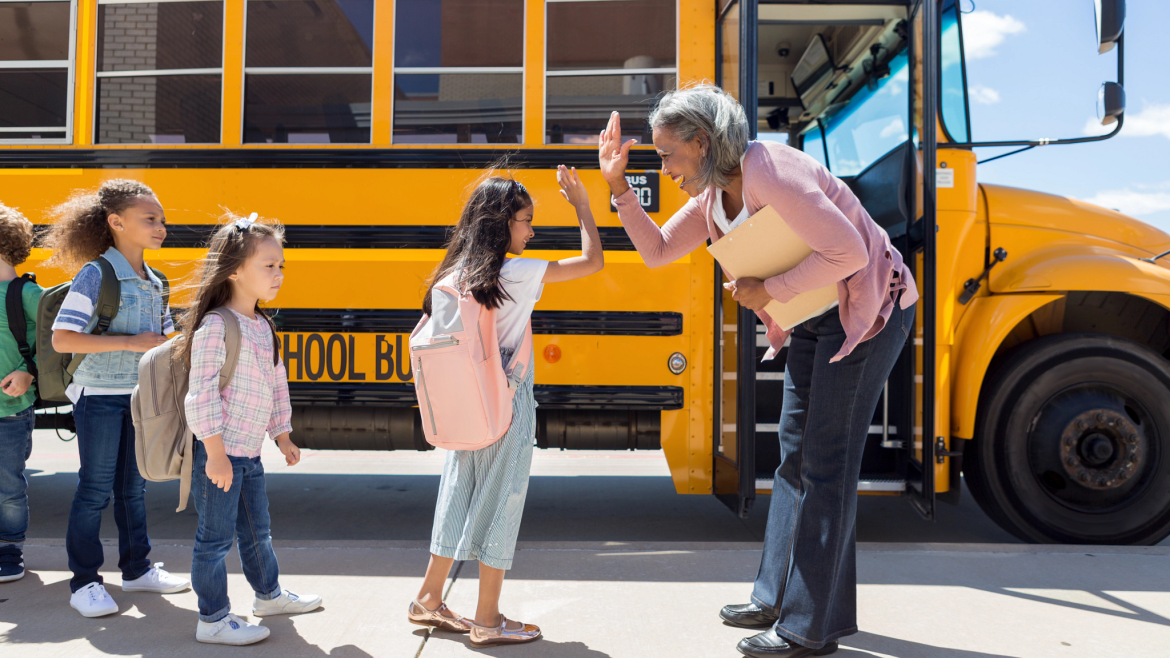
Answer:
(140, 308)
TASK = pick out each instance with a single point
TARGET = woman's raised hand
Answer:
(614, 155)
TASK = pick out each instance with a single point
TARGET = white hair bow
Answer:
(245, 224)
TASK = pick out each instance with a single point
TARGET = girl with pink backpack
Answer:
(480, 303)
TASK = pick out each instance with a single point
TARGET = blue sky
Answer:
(1033, 71)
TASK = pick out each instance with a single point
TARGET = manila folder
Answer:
(764, 246)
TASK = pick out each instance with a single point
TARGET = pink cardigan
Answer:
(848, 247)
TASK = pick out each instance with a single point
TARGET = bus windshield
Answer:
(872, 123)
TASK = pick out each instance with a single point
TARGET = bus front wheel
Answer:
(1073, 442)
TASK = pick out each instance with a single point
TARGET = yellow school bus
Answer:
(361, 123)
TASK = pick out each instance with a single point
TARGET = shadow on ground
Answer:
(583, 508)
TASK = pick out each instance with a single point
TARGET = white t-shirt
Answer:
(720, 215)
(522, 280)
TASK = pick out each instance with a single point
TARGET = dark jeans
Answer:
(105, 439)
(808, 573)
(15, 448)
(241, 513)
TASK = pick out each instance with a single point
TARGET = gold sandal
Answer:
(419, 615)
(487, 636)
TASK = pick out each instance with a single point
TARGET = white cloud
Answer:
(1093, 127)
(983, 31)
(1152, 119)
(983, 95)
(1144, 200)
(894, 129)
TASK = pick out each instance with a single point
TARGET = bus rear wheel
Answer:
(1073, 442)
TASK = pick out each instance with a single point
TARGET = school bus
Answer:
(360, 124)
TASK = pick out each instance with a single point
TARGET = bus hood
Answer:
(1018, 207)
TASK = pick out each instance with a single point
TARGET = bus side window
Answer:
(308, 69)
(34, 72)
(142, 98)
(599, 58)
(458, 72)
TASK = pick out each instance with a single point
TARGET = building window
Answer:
(159, 72)
(308, 71)
(36, 72)
(601, 59)
(458, 71)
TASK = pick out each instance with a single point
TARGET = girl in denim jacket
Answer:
(244, 267)
(117, 222)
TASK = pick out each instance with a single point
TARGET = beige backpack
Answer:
(163, 443)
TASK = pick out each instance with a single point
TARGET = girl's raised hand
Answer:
(613, 154)
(571, 186)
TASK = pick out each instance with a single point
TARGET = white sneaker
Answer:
(230, 630)
(93, 601)
(287, 603)
(156, 580)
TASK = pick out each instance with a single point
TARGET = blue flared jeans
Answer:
(808, 572)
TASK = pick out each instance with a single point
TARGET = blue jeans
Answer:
(15, 448)
(105, 439)
(241, 512)
(808, 572)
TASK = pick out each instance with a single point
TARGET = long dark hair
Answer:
(229, 249)
(81, 232)
(479, 242)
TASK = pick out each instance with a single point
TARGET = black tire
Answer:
(1073, 442)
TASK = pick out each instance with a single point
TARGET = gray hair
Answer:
(711, 112)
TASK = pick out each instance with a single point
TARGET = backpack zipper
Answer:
(430, 410)
(445, 340)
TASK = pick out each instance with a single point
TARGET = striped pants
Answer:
(481, 494)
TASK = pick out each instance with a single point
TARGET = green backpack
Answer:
(55, 370)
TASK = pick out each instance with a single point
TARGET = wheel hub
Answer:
(1101, 449)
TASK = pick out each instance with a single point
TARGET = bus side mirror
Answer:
(1110, 102)
(1110, 22)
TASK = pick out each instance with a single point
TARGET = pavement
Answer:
(611, 563)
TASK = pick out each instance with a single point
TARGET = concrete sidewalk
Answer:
(643, 600)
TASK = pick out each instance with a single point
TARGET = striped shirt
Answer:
(256, 401)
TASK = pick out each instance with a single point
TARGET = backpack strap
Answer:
(231, 340)
(14, 305)
(106, 308)
(108, 297)
(166, 296)
(521, 360)
(185, 470)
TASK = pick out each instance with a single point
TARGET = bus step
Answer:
(884, 484)
(763, 428)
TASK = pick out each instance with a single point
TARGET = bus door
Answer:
(734, 442)
(839, 82)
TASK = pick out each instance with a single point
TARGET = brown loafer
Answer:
(488, 636)
(419, 615)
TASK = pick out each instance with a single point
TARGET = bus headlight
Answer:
(677, 363)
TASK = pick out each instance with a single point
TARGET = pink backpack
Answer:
(464, 393)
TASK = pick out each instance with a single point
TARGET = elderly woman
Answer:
(838, 361)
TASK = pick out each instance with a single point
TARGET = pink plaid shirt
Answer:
(256, 401)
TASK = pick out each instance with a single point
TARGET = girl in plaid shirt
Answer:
(243, 268)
